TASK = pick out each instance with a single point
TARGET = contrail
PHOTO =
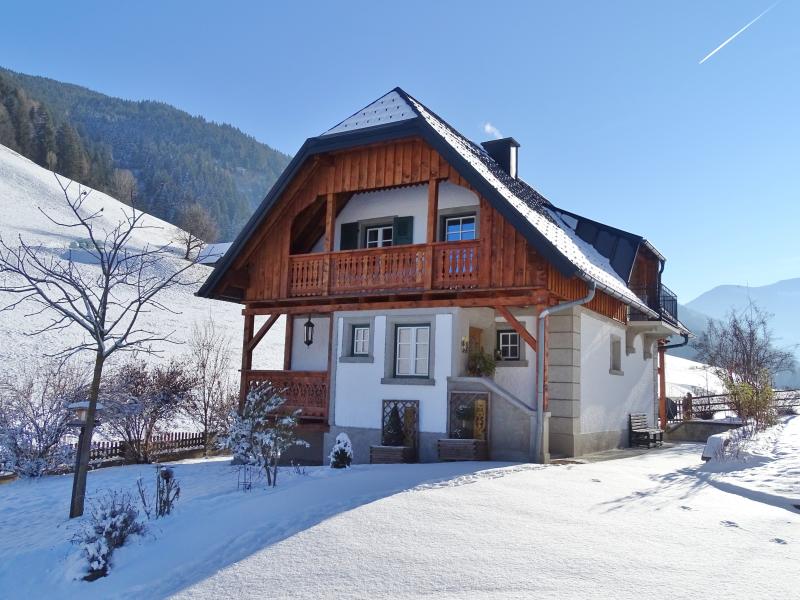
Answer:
(735, 35)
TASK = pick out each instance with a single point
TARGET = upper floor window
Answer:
(508, 345)
(379, 236)
(459, 228)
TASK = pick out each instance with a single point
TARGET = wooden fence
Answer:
(164, 443)
(690, 407)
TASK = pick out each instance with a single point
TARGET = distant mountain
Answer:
(780, 299)
(176, 159)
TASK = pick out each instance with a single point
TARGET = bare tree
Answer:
(140, 400)
(34, 416)
(124, 185)
(214, 394)
(107, 306)
(742, 347)
(198, 228)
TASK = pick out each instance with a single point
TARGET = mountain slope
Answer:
(175, 158)
(26, 191)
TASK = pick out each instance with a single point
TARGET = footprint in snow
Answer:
(684, 507)
(596, 481)
(780, 541)
(729, 523)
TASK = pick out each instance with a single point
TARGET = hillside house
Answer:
(399, 252)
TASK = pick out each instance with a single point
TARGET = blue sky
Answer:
(616, 118)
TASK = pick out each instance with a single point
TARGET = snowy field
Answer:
(659, 524)
(26, 192)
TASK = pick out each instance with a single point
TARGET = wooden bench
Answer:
(641, 434)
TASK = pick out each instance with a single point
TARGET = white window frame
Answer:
(508, 335)
(360, 340)
(415, 350)
(382, 240)
(460, 220)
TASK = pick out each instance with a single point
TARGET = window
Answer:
(360, 340)
(378, 237)
(459, 228)
(508, 345)
(411, 350)
(616, 356)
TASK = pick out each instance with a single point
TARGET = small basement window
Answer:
(616, 356)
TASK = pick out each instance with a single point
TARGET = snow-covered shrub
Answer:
(263, 432)
(342, 452)
(141, 400)
(34, 418)
(112, 520)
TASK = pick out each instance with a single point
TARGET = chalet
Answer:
(407, 259)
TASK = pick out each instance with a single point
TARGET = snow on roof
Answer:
(211, 253)
(537, 211)
(389, 108)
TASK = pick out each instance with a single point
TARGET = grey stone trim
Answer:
(388, 366)
(511, 363)
(347, 339)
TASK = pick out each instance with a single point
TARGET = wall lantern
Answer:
(309, 332)
(465, 344)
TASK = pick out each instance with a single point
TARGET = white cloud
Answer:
(491, 130)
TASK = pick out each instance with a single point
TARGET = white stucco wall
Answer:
(519, 380)
(315, 356)
(607, 399)
(358, 391)
(400, 202)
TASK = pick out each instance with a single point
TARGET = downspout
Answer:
(662, 378)
(538, 451)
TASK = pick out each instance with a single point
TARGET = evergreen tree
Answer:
(71, 161)
(44, 137)
(8, 136)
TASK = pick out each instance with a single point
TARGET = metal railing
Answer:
(662, 300)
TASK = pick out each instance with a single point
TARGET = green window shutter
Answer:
(403, 231)
(348, 240)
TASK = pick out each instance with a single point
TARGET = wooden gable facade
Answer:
(277, 272)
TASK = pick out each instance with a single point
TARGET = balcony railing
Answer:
(442, 265)
(662, 300)
(306, 390)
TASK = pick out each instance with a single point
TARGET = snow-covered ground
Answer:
(26, 191)
(662, 523)
(688, 376)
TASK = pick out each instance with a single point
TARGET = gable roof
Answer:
(397, 114)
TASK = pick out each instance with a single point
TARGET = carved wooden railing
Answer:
(306, 390)
(454, 264)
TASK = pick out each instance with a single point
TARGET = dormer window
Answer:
(459, 228)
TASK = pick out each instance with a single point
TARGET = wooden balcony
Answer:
(306, 390)
(439, 266)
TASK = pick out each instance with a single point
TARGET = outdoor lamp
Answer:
(309, 332)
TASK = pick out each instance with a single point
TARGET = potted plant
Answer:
(480, 364)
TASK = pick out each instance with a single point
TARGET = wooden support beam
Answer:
(287, 343)
(433, 211)
(262, 331)
(662, 386)
(330, 221)
(518, 327)
(247, 357)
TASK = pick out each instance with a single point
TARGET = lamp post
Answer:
(81, 413)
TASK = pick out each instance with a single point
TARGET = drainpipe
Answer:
(538, 451)
(662, 378)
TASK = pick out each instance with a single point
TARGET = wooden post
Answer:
(433, 211)
(662, 386)
(247, 357)
(518, 327)
(287, 343)
(330, 221)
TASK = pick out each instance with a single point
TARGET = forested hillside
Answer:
(168, 159)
